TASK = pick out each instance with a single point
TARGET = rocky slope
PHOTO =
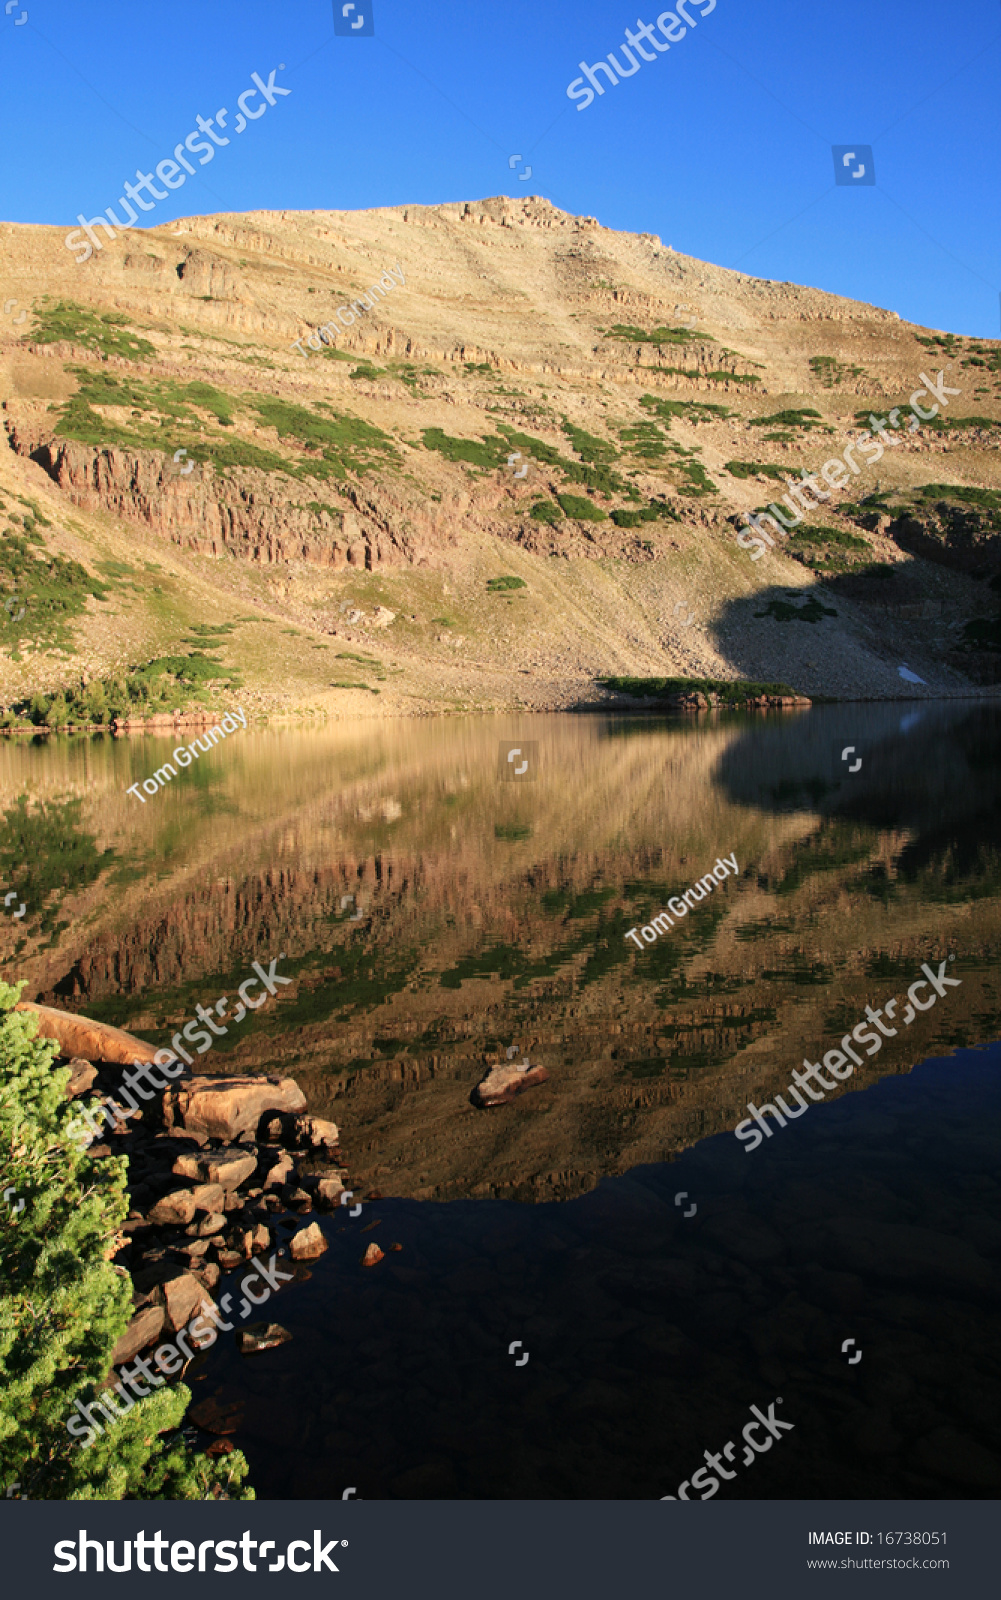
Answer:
(540, 399)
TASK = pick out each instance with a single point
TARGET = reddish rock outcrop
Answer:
(225, 1108)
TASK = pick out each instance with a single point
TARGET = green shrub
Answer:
(493, 452)
(691, 410)
(731, 690)
(587, 446)
(546, 511)
(101, 332)
(812, 611)
(65, 1306)
(798, 417)
(831, 372)
(499, 585)
(751, 469)
(581, 510)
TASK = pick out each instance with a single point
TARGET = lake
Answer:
(436, 909)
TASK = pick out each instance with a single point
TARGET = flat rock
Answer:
(230, 1167)
(144, 1329)
(208, 1197)
(178, 1207)
(226, 1108)
(258, 1336)
(182, 1297)
(503, 1082)
(86, 1040)
(308, 1243)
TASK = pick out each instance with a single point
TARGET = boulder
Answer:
(208, 1197)
(321, 1132)
(144, 1329)
(373, 1255)
(308, 1243)
(258, 1336)
(329, 1191)
(225, 1108)
(503, 1082)
(90, 1041)
(231, 1167)
(82, 1076)
(178, 1207)
(213, 1223)
(280, 1173)
(182, 1296)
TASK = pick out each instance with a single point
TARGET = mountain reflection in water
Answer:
(432, 916)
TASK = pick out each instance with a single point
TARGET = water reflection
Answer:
(433, 915)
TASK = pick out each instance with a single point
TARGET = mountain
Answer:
(515, 464)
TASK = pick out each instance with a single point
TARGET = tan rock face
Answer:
(308, 1243)
(225, 1108)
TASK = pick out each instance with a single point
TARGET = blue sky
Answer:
(722, 145)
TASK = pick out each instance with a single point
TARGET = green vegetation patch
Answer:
(500, 585)
(574, 505)
(587, 446)
(733, 377)
(165, 415)
(48, 589)
(546, 511)
(592, 475)
(658, 336)
(688, 410)
(782, 611)
(170, 683)
(492, 452)
(985, 499)
(102, 332)
(729, 690)
(795, 417)
(831, 372)
(346, 443)
(753, 469)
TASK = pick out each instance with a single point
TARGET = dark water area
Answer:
(432, 916)
(650, 1334)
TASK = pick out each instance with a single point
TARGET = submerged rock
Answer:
(258, 1336)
